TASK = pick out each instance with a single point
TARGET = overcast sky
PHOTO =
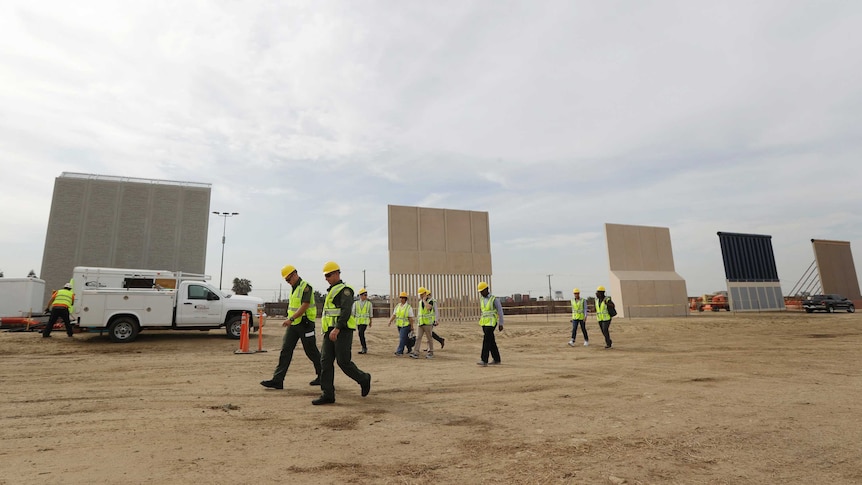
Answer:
(309, 117)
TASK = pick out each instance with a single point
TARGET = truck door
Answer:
(198, 306)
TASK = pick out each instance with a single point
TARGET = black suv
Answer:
(827, 303)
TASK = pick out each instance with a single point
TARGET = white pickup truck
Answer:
(124, 302)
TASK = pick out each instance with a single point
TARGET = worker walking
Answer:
(605, 310)
(425, 327)
(301, 312)
(60, 303)
(492, 317)
(403, 316)
(338, 325)
(579, 317)
(363, 312)
(436, 321)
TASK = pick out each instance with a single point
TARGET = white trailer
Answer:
(124, 302)
(21, 297)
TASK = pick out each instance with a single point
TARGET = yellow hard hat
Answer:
(576, 290)
(481, 286)
(422, 290)
(403, 294)
(362, 291)
(600, 288)
(287, 270)
(330, 266)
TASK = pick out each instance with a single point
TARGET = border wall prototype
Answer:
(836, 268)
(752, 278)
(643, 281)
(124, 222)
(447, 251)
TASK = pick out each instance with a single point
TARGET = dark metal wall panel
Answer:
(748, 257)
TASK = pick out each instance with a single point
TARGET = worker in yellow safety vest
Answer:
(579, 318)
(338, 325)
(605, 309)
(60, 304)
(363, 313)
(492, 317)
(403, 317)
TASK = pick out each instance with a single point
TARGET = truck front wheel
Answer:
(123, 329)
(234, 327)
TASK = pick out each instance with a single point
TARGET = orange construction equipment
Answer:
(713, 302)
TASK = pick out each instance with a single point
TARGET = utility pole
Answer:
(224, 215)
(550, 298)
(363, 280)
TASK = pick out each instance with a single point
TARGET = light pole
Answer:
(225, 215)
(550, 297)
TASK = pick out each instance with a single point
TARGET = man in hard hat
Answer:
(425, 326)
(579, 317)
(301, 312)
(604, 310)
(338, 325)
(60, 303)
(492, 317)
(436, 320)
(403, 317)
(363, 312)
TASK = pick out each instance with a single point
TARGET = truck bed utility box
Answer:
(21, 297)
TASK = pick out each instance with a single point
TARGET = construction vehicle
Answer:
(124, 302)
(713, 302)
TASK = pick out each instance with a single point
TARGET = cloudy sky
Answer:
(309, 117)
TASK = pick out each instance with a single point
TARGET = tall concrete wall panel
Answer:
(836, 268)
(126, 223)
(643, 281)
(445, 250)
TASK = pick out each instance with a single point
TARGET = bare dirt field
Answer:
(707, 399)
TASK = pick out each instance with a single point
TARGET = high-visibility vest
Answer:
(426, 312)
(332, 312)
(579, 311)
(362, 312)
(63, 298)
(489, 312)
(296, 302)
(602, 314)
(402, 315)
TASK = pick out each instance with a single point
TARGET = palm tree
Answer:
(241, 286)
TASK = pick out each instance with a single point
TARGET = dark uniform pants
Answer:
(305, 332)
(362, 329)
(489, 344)
(57, 313)
(606, 331)
(338, 351)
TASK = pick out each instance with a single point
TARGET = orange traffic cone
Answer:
(243, 336)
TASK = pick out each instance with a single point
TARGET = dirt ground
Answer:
(706, 399)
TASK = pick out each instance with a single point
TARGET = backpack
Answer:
(612, 309)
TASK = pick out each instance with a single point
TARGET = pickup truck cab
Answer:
(827, 303)
(170, 301)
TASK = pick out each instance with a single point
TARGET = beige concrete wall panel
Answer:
(836, 268)
(481, 232)
(482, 263)
(403, 228)
(459, 232)
(664, 250)
(404, 261)
(432, 262)
(615, 236)
(649, 249)
(63, 234)
(633, 258)
(432, 229)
